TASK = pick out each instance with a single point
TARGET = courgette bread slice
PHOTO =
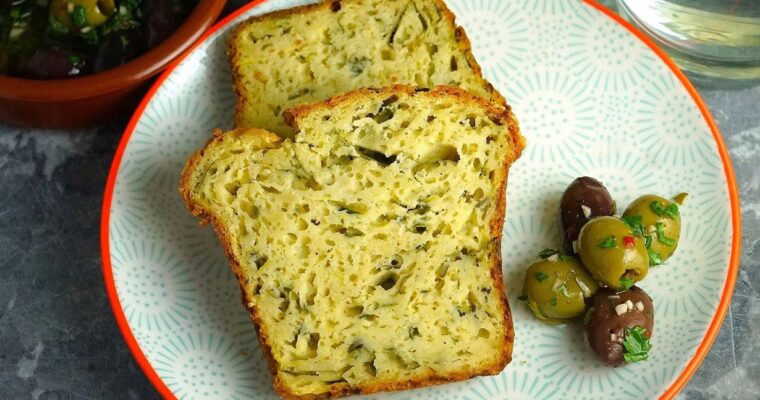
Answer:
(310, 53)
(368, 247)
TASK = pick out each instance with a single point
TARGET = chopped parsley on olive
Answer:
(654, 257)
(636, 345)
(670, 211)
(634, 221)
(660, 229)
(546, 253)
(626, 282)
(609, 243)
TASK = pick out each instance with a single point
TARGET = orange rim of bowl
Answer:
(136, 70)
(669, 393)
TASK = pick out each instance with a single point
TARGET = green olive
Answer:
(612, 253)
(96, 12)
(556, 288)
(661, 221)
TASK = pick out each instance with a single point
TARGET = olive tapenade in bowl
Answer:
(73, 63)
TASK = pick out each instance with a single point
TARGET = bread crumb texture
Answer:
(314, 52)
(365, 246)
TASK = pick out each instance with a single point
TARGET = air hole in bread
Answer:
(414, 332)
(441, 152)
(354, 311)
(388, 280)
(258, 260)
(395, 262)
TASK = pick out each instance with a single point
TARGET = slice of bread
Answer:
(312, 52)
(368, 248)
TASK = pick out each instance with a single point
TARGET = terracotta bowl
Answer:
(94, 99)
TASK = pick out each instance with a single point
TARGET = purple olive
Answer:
(116, 49)
(585, 198)
(53, 64)
(609, 317)
(162, 19)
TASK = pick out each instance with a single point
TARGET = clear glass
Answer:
(706, 38)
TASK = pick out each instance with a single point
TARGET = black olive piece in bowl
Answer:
(618, 325)
(658, 221)
(612, 253)
(55, 39)
(556, 287)
(585, 198)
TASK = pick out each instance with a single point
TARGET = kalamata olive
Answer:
(659, 221)
(52, 64)
(584, 198)
(556, 288)
(162, 20)
(612, 253)
(618, 325)
(117, 48)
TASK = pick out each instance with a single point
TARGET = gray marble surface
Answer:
(59, 340)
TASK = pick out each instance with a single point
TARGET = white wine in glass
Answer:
(706, 38)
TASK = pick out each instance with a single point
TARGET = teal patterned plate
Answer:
(593, 98)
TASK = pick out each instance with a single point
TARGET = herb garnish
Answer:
(79, 17)
(636, 345)
(554, 301)
(564, 257)
(562, 289)
(540, 276)
(670, 211)
(546, 253)
(660, 228)
(654, 258)
(634, 221)
(626, 282)
(608, 243)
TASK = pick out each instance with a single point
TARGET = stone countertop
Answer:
(58, 337)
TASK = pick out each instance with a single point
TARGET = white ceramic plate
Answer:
(592, 98)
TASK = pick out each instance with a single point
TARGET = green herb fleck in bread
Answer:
(368, 247)
(310, 53)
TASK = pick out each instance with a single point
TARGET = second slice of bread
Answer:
(368, 249)
(313, 52)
